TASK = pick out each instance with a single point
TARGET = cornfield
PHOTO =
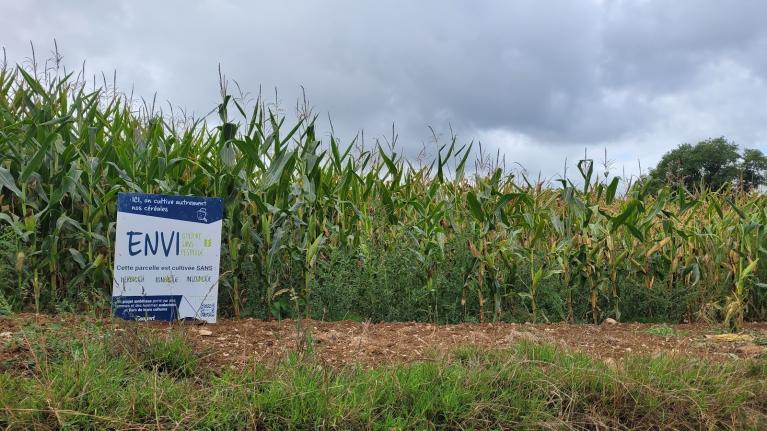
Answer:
(353, 230)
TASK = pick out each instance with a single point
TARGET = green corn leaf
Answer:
(249, 148)
(276, 169)
(228, 154)
(749, 269)
(7, 181)
(78, 257)
(65, 220)
(621, 218)
(635, 232)
(35, 162)
(475, 207)
(390, 165)
(735, 208)
(313, 251)
(35, 84)
(459, 170)
(611, 189)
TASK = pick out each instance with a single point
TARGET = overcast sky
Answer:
(538, 80)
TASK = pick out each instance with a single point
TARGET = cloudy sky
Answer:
(540, 81)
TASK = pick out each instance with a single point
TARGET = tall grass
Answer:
(468, 242)
(90, 377)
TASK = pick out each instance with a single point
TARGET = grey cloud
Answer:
(537, 80)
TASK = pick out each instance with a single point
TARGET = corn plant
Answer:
(293, 195)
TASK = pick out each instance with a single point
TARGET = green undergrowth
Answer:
(665, 331)
(92, 376)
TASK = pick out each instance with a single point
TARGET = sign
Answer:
(167, 252)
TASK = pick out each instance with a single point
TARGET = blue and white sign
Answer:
(167, 253)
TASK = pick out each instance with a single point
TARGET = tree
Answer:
(712, 163)
(753, 169)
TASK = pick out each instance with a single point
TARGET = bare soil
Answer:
(237, 343)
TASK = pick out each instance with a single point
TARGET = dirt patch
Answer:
(236, 343)
(336, 343)
(11, 349)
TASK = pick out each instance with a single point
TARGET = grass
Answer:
(90, 376)
(665, 331)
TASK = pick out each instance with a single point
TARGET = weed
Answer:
(665, 331)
